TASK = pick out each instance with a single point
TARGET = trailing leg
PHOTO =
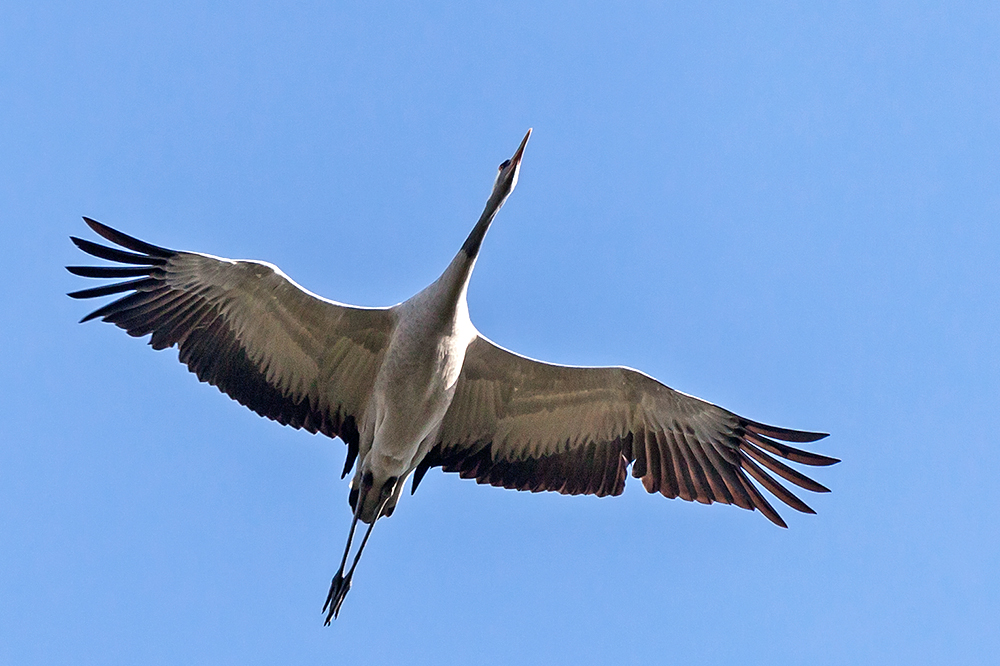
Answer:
(342, 583)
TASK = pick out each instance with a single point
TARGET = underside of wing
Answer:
(246, 328)
(527, 425)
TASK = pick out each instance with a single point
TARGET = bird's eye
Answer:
(504, 165)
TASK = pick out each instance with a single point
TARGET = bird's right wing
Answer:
(528, 425)
(246, 328)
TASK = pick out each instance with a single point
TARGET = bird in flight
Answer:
(416, 386)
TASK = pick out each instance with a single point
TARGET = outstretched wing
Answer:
(246, 328)
(527, 425)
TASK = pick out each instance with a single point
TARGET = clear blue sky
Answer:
(790, 210)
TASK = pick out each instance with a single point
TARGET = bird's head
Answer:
(507, 173)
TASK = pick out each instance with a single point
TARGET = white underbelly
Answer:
(412, 394)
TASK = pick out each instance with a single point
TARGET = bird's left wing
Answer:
(528, 425)
(246, 328)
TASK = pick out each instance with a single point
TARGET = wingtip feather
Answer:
(784, 434)
(783, 470)
(790, 452)
(126, 241)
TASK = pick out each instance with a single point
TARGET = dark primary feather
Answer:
(129, 242)
(111, 254)
(108, 271)
(144, 284)
(801, 436)
(753, 433)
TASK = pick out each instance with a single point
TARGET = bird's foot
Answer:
(338, 590)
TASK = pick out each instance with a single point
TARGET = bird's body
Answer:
(416, 386)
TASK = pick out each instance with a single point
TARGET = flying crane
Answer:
(416, 386)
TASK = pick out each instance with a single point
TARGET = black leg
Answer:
(337, 586)
(341, 583)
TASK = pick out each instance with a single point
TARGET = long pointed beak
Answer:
(516, 159)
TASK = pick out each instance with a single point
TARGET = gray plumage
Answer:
(416, 386)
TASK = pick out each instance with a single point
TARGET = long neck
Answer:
(472, 244)
(454, 282)
(460, 269)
